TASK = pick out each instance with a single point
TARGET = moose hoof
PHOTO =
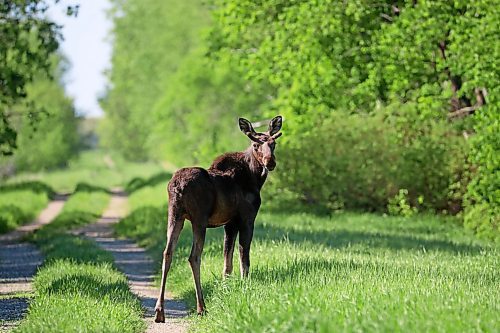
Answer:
(159, 315)
(201, 311)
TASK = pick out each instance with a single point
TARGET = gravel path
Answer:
(18, 264)
(134, 262)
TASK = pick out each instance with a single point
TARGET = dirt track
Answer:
(135, 263)
(19, 262)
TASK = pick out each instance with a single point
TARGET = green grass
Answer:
(78, 289)
(97, 167)
(154, 196)
(80, 209)
(20, 206)
(73, 296)
(341, 273)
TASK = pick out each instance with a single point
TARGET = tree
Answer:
(28, 40)
(423, 61)
(53, 140)
(150, 40)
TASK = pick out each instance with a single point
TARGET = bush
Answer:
(482, 213)
(53, 140)
(362, 161)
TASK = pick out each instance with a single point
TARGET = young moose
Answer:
(227, 194)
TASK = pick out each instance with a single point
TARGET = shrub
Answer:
(362, 161)
(482, 213)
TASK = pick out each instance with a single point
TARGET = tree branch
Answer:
(463, 112)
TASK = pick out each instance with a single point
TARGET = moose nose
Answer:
(270, 163)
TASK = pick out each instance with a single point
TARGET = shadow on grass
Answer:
(338, 239)
(79, 250)
(85, 187)
(33, 186)
(138, 183)
(87, 285)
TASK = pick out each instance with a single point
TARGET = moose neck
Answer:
(255, 167)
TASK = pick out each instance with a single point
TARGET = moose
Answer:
(226, 194)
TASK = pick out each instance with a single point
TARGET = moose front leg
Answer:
(230, 233)
(246, 235)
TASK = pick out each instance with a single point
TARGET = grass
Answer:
(78, 289)
(341, 273)
(98, 167)
(18, 207)
(154, 196)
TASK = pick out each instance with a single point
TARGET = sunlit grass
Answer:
(155, 196)
(345, 272)
(78, 289)
(82, 297)
(20, 206)
(97, 167)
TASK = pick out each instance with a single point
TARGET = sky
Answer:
(86, 47)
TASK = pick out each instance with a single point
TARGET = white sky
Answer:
(86, 48)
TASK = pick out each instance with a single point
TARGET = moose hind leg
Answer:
(199, 231)
(175, 225)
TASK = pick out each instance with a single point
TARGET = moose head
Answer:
(263, 143)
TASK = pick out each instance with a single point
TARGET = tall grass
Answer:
(340, 273)
(20, 206)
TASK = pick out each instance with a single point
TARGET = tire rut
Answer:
(138, 267)
(19, 262)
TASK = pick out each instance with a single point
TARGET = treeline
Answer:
(388, 106)
(38, 123)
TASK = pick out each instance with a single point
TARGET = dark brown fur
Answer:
(226, 194)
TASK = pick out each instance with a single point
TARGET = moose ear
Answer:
(275, 125)
(246, 126)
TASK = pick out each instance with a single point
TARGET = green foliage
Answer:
(146, 55)
(53, 140)
(28, 41)
(366, 91)
(373, 268)
(482, 212)
(197, 117)
(399, 205)
(19, 206)
(362, 161)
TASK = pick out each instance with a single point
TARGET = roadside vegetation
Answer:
(344, 272)
(97, 167)
(369, 94)
(78, 288)
(21, 203)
